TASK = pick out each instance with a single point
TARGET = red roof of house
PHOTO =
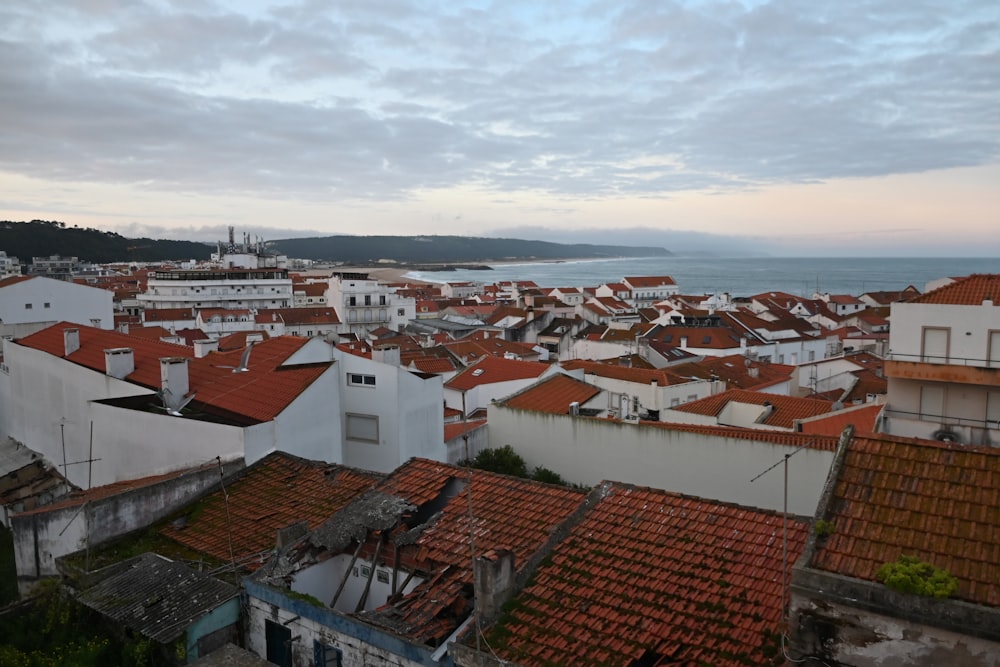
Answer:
(299, 316)
(625, 373)
(654, 578)
(968, 291)
(259, 394)
(456, 429)
(939, 502)
(509, 513)
(553, 395)
(787, 409)
(167, 314)
(274, 493)
(489, 370)
(737, 371)
(862, 418)
(13, 280)
(638, 282)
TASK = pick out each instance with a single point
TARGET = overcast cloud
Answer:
(382, 99)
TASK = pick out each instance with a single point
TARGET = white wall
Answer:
(311, 426)
(969, 325)
(66, 302)
(588, 451)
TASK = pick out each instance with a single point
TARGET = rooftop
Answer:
(971, 290)
(553, 395)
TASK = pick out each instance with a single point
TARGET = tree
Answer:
(503, 460)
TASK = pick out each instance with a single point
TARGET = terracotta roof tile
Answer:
(787, 409)
(936, 501)
(489, 370)
(649, 281)
(13, 280)
(452, 431)
(275, 492)
(553, 395)
(651, 577)
(625, 373)
(862, 418)
(968, 291)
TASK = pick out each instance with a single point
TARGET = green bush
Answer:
(503, 460)
(909, 574)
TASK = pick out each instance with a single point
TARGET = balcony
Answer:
(958, 370)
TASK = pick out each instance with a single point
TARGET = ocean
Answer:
(739, 276)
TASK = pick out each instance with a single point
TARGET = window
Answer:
(362, 427)
(934, 345)
(47, 305)
(279, 643)
(381, 300)
(368, 299)
(401, 312)
(352, 301)
(359, 380)
(327, 655)
(27, 306)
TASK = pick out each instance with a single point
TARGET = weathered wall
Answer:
(587, 451)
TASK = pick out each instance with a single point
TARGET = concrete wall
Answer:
(311, 426)
(587, 451)
(40, 537)
(361, 645)
(479, 439)
(843, 621)
(969, 325)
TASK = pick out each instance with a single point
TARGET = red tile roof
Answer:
(968, 291)
(489, 370)
(13, 280)
(736, 371)
(638, 282)
(936, 501)
(862, 418)
(655, 578)
(167, 314)
(454, 430)
(786, 408)
(553, 395)
(274, 493)
(258, 394)
(509, 513)
(625, 373)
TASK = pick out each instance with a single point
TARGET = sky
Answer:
(799, 127)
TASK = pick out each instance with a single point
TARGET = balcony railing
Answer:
(949, 360)
(949, 420)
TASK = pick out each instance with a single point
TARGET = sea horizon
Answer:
(737, 276)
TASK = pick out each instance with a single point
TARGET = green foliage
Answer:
(43, 238)
(543, 474)
(503, 460)
(824, 528)
(909, 574)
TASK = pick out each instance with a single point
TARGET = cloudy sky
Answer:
(799, 126)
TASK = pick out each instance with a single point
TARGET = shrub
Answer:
(503, 460)
(909, 574)
(823, 528)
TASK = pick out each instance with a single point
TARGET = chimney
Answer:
(204, 346)
(684, 341)
(574, 408)
(71, 341)
(386, 354)
(119, 362)
(123, 327)
(256, 337)
(174, 375)
(494, 581)
(95, 322)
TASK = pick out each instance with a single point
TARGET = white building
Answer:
(943, 368)
(237, 288)
(31, 303)
(365, 304)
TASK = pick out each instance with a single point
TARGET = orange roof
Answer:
(737, 371)
(649, 281)
(510, 513)
(936, 501)
(275, 492)
(167, 314)
(553, 395)
(298, 316)
(489, 370)
(652, 577)
(454, 430)
(259, 394)
(624, 373)
(863, 418)
(13, 280)
(155, 332)
(786, 408)
(968, 291)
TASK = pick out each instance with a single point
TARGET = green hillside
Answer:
(42, 238)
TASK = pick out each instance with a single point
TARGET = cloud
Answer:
(381, 100)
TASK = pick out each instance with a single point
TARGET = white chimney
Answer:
(174, 375)
(257, 337)
(119, 362)
(71, 341)
(684, 341)
(387, 354)
(204, 346)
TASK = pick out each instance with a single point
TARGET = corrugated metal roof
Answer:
(156, 597)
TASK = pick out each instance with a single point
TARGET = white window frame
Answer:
(359, 427)
(360, 380)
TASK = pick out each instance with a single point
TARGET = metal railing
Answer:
(949, 420)
(943, 360)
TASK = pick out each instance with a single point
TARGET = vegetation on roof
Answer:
(909, 574)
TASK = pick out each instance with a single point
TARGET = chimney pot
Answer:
(119, 362)
(174, 375)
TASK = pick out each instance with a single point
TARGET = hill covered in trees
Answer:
(43, 238)
(436, 249)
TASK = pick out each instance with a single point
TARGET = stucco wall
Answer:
(588, 451)
(311, 426)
